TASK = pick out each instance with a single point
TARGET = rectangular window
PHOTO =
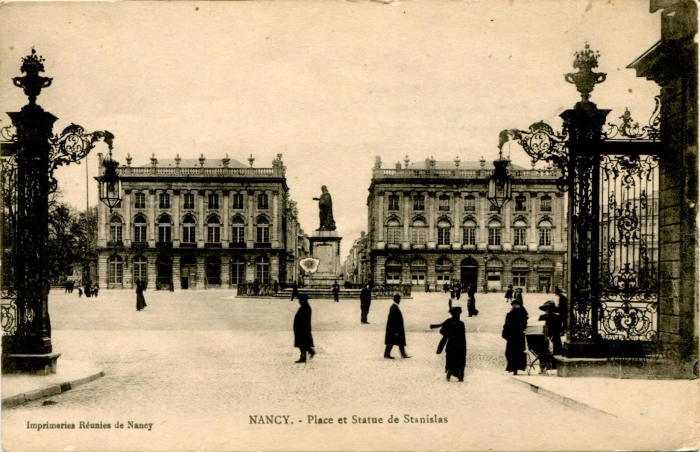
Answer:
(470, 204)
(444, 203)
(213, 201)
(188, 234)
(164, 234)
(546, 204)
(189, 200)
(419, 203)
(519, 236)
(393, 278)
(494, 236)
(238, 234)
(164, 201)
(393, 202)
(443, 236)
(545, 237)
(213, 234)
(115, 233)
(519, 278)
(263, 235)
(140, 201)
(238, 201)
(418, 279)
(115, 272)
(262, 201)
(418, 236)
(140, 233)
(469, 236)
(520, 204)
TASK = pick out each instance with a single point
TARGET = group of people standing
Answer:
(555, 317)
(90, 289)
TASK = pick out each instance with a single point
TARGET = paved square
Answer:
(199, 365)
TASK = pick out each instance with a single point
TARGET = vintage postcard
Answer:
(349, 225)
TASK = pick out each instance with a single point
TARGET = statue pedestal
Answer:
(325, 246)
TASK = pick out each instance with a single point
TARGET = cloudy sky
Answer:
(329, 84)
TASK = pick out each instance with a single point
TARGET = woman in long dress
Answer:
(514, 334)
(140, 299)
(454, 341)
(302, 329)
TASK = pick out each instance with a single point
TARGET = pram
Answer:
(537, 350)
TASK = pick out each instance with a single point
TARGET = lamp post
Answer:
(33, 153)
(500, 183)
(110, 184)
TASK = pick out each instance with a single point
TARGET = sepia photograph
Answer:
(349, 225)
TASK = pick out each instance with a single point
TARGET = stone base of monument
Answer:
(325, 246)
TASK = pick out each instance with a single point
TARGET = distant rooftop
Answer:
(194, 163)
(463, 164)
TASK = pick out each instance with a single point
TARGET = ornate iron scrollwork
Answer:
(71, 146)
(542, 143)
(629, 129)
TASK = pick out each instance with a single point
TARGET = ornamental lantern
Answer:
(500, 183)
(110, 183)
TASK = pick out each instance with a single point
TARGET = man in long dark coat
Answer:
(336, 291)
(302, 329)
(514, 334)
(365, 302)
(454, 341)
(395, 333)
(471, 301)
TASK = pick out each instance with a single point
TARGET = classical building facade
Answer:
(431, 223)
(199, 224)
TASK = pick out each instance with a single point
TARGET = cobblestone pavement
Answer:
(198, 364)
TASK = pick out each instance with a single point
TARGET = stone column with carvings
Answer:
(431, 220)
(274, 235)
(225, 233)
(126, 233)
(483, 207)
(380, 220)
(250, 215)
(532, 238)
(151, 218)
(406, 220)
(201, 232)
(176, 218)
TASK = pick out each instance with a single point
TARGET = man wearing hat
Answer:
(454, 342)
(395, 333)
(552, 324)
(302, 329)
(514, 334)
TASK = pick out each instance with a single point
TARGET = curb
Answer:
(52, 390)
(567, 401)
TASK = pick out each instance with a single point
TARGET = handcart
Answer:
(537, 350)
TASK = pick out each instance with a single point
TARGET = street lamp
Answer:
(110, 183)
(500, 183)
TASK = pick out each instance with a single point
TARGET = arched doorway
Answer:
(469, 273)
(188, 272)
(392, 271)
(164, 272)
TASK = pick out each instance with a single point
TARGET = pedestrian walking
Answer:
(452, 290)
(336, 291)
(454, 342)
(365, 302)
(80, 292)
(445, 287)
(471, 301)
(514, 334)
(509, 293)
(95, 289)
(519, 296)
(88, 290)
(140, 299)
(302, 330)
(295, 291)
(395, 333)
(563, 308)
(458, 290)
(548, 286)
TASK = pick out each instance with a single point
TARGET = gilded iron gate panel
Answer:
(628, 279)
